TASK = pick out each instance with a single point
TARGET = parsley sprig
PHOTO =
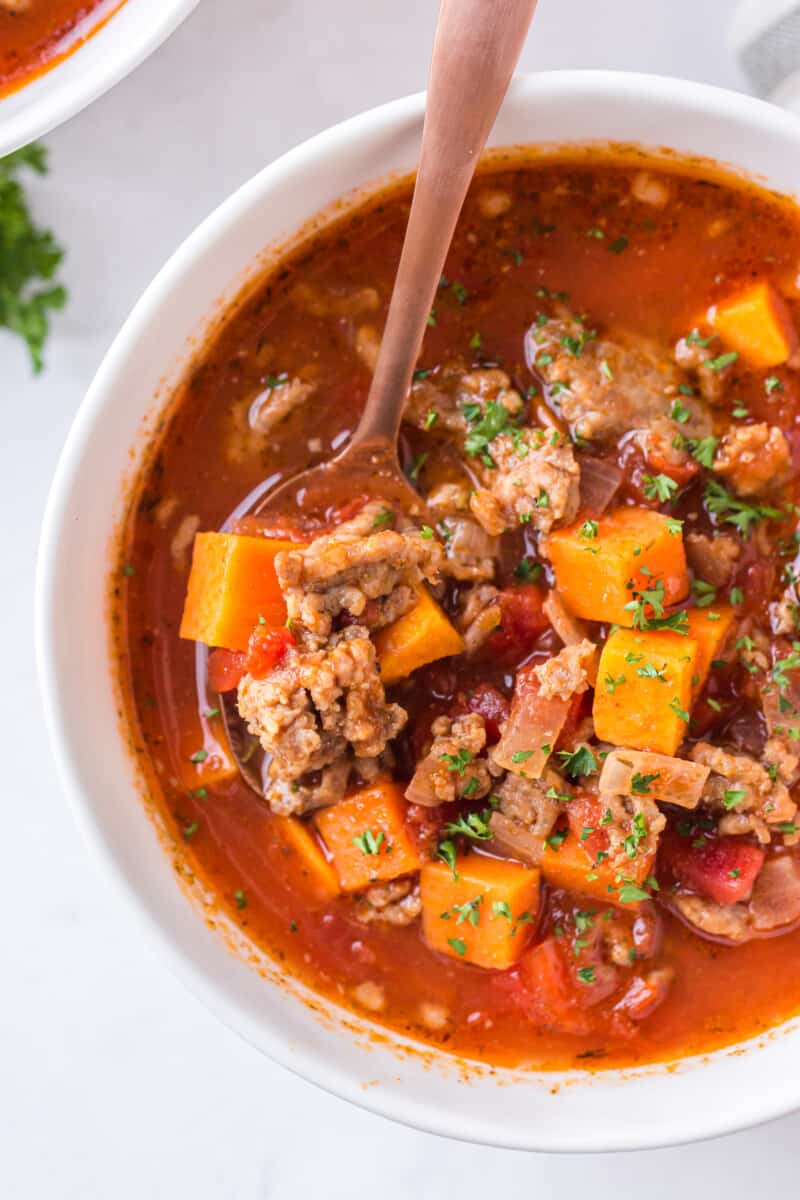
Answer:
(29, 258)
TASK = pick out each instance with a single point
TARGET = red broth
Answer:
(647, 269)
(33, 33)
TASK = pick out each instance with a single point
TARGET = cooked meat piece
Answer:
(775, 901)
(493, 202)
(533, 481)
(362, 568)
(567, 672)
(395, 903)
(368, 344)
(713, 559)
(479, 615)
(755, 458)
(526, 815)
(437, 403)
(317, 789)
(603, 388)
(632, 817)
(693, 357)
(270, 407)
(650, 190)
(730, 922)
(783, 753)
(452, 769)
(319, 302)
(488, 511)
(182, 540)
(449, 499)
(315, 705)
(764, 801)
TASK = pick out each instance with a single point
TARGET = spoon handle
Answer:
(477, 45)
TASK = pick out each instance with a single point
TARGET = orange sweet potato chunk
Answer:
(366, 837)
(300, 844)
(569, 864)
(644, 689)
(486, 915)
(709, 628)
(420, 636)
(757, 324)
(630, 550)
(232, 583)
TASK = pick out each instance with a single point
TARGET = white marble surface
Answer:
(113, 1081)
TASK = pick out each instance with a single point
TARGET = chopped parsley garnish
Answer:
(732, 796)
(417, 465)
(240, 898)
(631, 893)
(431, 417)
(675, 705)
(473, 825)
(611, 683)
(500, 909)
(649, 671)
(485, 425)
(426, 532)
(703, 451)
(589, 529)
(640, 784)
(520, 756)
(199, 756)
(618, 245)
(459, 945)
(679, 412)
(659, 487)
(446, 851)
(476, 341)
(587, 974)
(772, 384)
(722, 361)
(384, 517)
(457, 762)
(731, 509)
(29, 258)
(369, 842)
(190, 830)
(527, 570)
(578, 762)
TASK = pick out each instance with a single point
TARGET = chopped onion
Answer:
(660, 776)
(528, 737)
(600, 482)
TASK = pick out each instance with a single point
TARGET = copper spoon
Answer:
(475, 51)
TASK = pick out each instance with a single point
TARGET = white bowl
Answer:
(113, 49)
(654, 1106)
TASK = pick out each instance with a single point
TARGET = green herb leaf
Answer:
(29, 257)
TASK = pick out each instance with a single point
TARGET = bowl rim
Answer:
(61, 91)
(408, 1110)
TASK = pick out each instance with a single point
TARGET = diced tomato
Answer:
(522, 621)
(659, 463)
(644, 995)
(585, 815)
(225, 669)
(266, 648)
(541, 989)
(491, 705)
(425, 825)
(723, 868)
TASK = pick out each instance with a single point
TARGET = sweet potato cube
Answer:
(486, 915)
(569, 864)
(420, 636)
(205, 756)
(299, 843)
(600, 565)
(231, 584)
(644, 689)
(709, 627)
(366, 837)
(757, 324)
